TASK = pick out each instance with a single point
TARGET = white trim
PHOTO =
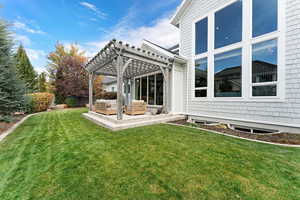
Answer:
(180, 11)
(246, 46)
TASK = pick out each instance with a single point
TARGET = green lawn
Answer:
(61, 156)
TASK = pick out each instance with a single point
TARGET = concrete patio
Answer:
(111, 121)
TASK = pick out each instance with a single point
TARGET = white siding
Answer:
(111, 87)
(286, 112)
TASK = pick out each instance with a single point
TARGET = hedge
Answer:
(41, 101)
(72, 102)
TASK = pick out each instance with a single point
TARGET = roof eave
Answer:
(179, 12)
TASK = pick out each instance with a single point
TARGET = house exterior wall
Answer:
(177, 88)
(110, 87)
(285, 113)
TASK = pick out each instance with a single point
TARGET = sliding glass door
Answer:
(150, 89)
(159, 89)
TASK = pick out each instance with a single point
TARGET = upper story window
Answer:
(264, 17)
(201, 36)
(228, 25)
(240, 58)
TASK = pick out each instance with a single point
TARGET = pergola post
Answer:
(166, 90)
(91, 78)
(120, 87)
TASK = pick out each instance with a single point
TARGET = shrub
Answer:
(72, 102)
(41, 101)
(6, 118)
(29, 104)
(109, 95)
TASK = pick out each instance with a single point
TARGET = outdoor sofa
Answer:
(106, 107)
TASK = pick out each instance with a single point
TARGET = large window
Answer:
(201, 77)
(228, 25)
(144, 89)
(241, 56)
(150, 89)
(159, 89)
(138, 89)
(264, 19)
(228, 74)
(201, 36)
(264, 68)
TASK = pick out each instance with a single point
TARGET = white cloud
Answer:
(161, 33)
(34, 54)
(93, 8)
(37, 59)
(22, 26)
(21, 39)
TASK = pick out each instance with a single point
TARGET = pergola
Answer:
(126, 62)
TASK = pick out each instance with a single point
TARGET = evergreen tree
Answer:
(42, 84)
(11, 87)
(25, 70)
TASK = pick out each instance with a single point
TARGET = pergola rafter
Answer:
(127, 62)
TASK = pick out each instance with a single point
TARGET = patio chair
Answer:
(136, 108)
(106, 107)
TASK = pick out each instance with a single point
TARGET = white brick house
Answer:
(243, 62)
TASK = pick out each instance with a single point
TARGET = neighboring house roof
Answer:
(109, 80)
(175, 49)
(180, 11)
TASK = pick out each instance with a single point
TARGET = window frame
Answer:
(246, 46)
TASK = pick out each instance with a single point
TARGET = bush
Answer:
(109, 95)
(72, 102)
(6, 118)
(29, 104)
(41, 101)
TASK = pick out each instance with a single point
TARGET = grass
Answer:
(61, 156)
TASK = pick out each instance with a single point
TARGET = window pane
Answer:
(201, 36)
(151, 90)
(137, 89)
(144, 89)
(228, 72)
(200, 93)
(228, 25)
(270, 90)
(265, 13)
(159, 89)
(264, 62)
(201, 73)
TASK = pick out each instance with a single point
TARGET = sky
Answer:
(90, 24)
